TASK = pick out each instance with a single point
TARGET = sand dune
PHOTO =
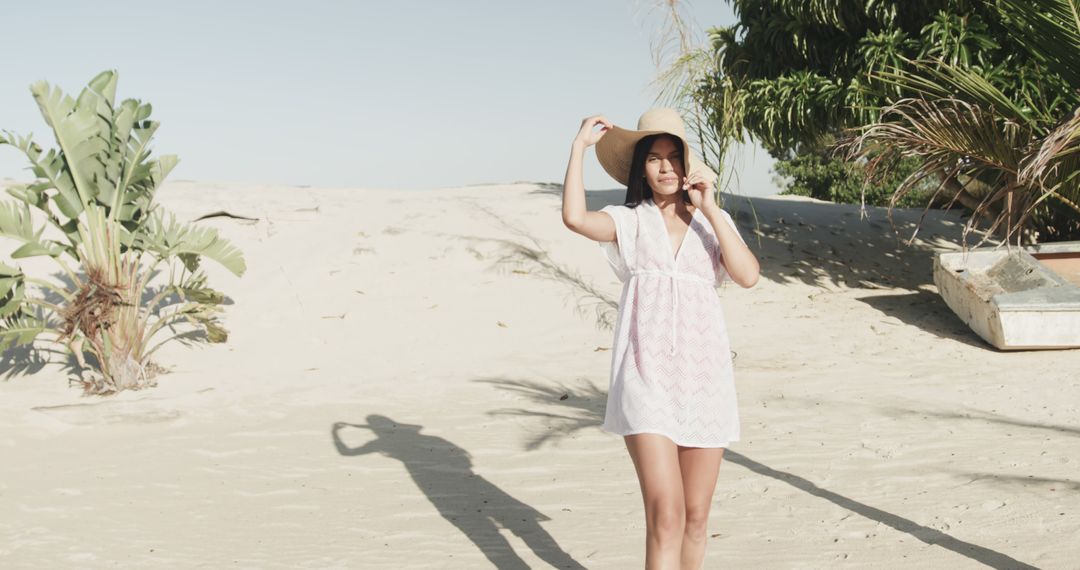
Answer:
(416, 380)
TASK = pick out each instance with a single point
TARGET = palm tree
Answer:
(1020, 156)
(93, 198)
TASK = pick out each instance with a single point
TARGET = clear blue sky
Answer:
(402, 94)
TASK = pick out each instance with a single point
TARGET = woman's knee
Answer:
(696, 521)
(667, 519)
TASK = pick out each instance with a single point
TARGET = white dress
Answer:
(671, 369)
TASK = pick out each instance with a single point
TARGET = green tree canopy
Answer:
(797, 75)
(794, 73)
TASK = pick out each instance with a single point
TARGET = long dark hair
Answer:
(637, 188)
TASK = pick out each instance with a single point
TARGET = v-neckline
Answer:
(673, 255)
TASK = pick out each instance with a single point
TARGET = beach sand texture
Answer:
(416, 380)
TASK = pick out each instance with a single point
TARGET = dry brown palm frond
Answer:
(959, 142)
(675, 35)
(94, 307)
(950, 130)
(680, 58)
(1055, 166)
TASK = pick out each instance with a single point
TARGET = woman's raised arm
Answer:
(594, 225)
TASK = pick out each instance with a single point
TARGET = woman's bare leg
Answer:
(699, 467)
(657, 463)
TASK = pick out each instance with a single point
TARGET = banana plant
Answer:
(91, 210)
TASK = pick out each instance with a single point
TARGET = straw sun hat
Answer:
(615, 149)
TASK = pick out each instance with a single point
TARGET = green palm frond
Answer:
(17, 325)
(12, 290)
(166, 237)
(16, 224)
(938, 80)
(49, 166)
(194, 288)
(1050, 29)
(20, 329)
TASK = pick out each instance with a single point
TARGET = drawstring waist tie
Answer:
(674, 276)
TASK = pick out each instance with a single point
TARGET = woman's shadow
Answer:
(443, 471)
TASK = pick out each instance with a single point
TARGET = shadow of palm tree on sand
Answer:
(585, 404)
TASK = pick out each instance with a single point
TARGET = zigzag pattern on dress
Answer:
(671, 370)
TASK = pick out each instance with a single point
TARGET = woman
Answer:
(672, 393)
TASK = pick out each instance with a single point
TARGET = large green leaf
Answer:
(20, 329)
(12, 290)
(16, 223)
(11, 280)
(167, 238)
(32, 194)
(51, 167)
(104, 85)
(78, 133)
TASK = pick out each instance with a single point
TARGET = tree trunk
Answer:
(126, 373)
(957, 191)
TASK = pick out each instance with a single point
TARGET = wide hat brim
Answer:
(615, 150)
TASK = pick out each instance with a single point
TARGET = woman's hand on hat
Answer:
(587, 135)
(700, 190)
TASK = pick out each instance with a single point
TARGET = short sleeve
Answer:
(617, 253)
(722, 275)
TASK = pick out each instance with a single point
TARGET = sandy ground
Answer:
(416, 380)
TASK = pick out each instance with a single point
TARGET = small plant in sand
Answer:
(91, 210)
